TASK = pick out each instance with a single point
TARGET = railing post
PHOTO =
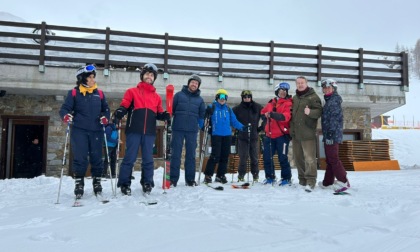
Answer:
(220, 59)
(319, 65)
(361, 78)
(41, 66)
(404, 72)
(166, 57)
(107, 42)
(271, 67)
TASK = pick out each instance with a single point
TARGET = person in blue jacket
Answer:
(222, 118)
(111, 142)
(87, 108)
(188, 114)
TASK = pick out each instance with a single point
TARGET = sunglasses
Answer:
(86, 69)
(247, 96)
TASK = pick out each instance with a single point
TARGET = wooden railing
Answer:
(52, 45)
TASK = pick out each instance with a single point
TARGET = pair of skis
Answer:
(167, 134)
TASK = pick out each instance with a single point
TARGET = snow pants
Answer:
(177, 142)
(220, 150)
(279, 145)
(86, 146)
(134, 142)
(335, 168)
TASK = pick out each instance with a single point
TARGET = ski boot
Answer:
(79, 187)
(97, 187)
(241, 178)
(147, 188)
(207, 179)
(126, 190)
(285, 182)
(191, 183)
(221, 179)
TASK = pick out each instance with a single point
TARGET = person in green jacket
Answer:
(306, 110)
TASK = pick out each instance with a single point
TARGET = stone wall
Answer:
(19, 105)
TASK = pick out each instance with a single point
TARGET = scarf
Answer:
(90, 90)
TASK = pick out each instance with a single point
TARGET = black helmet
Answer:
(196, 78)
(149, 67)
(84, 72)
(245, 93)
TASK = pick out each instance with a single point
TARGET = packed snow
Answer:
(382, 213)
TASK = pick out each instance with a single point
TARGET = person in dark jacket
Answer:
(87, 108)
(332, 131)
(188, 115)
(306, 110)
(111, 132)
(144, 106)
(222, 118)
(34, 157)
(248, 112)
(277, 115)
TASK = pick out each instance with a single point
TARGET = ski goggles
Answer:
(150, 68)
(246, 96)
(86, 69)
(223, 97)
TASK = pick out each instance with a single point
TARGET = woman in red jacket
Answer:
(277, 114)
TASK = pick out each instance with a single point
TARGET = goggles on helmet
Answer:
(86, 69)
(150, 68)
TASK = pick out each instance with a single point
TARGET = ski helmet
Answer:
(149, 67)
(84, 72)
(196, 78)
(282, 85)
(222, 94)
(246, 93)
(328, 83)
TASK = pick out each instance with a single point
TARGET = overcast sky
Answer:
(371, 24)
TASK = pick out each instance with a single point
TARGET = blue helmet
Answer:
(281, 85)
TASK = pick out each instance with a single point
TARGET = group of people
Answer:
(283, 120)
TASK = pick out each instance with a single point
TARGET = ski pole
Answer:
(117, 157)
(165, 156)
(249, 151)
(203, 148)
(271, 151)
(109, 163)
(64, 161)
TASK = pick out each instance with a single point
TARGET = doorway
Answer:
(21, 155)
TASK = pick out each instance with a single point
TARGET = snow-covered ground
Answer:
(381, 214)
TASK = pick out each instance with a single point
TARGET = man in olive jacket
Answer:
(306, 110)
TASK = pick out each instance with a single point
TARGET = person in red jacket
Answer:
(144, 107)
(277, 114)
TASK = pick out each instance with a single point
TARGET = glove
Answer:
(329, 138)
(68, 118)
(103, 120)
(209, 111)
(260, 128)
(120, 113)
(165, 116)
(245, 128)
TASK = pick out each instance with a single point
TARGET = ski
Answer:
(241, 186)
(101, 199)
(341, 193)
(77, 202)
(217, 188)
(166, 183)
(148, 201)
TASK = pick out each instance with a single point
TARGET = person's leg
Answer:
(131, 151)
(309, 150)
(299, 159)
(176, 149)
(190, 152)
